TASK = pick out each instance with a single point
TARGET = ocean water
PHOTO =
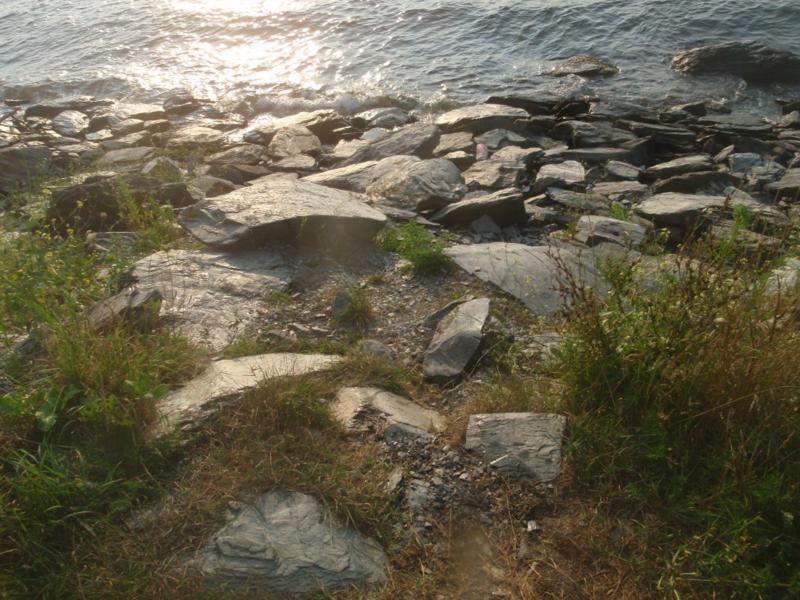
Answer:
(286, 55)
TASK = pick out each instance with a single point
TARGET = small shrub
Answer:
(416, 244)
(352, 308)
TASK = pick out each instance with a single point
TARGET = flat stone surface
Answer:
(590, 155)
(585, 66)
(582, 134)
(565, 174)
(483, 117)
(322, 123)
(532, 274)
(678, 209)
(456, 341)
(127, 158)
(278, 209)
(196, 137)
(294, 140)
(505, 207)
(71, 123)
(211, 297)
(504, 169)
(356, 408)
(593, 229)
(290, 543)
(460, 141)
(525, 445)
(679, 166)
(243, 154)
(788, 186)
(419, 140)
(747, 59)
(622, 170)
(701, 182)
(583, 202)
(353, 178)
(421, 185)
(225, 381)
(617, 190)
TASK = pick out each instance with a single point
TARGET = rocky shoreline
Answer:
(525, 191)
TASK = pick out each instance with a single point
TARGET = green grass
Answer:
(684, 398)
(354, 310)
(421, 248)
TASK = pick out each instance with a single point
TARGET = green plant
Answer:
(619, 211)
(416, 244)
(352, 308)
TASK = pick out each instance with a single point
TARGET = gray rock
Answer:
(213, 298)
(276, 209)
(701, 182)
(749, 60)
(322, 123)
(422, 185)
(212, 186)
(51, 108)
(566, 174)
(593, 229)
(460, 141)
(358, 408)
(387, 118)
(71, 123)
(525, 445)
(500, 138)
(481, 118)
(622, 170)
(585, 66)
(93, 206)
(302, 163)
(680, 166)
(579, 201)
(620, 190)
(679, 210)
(486, 226)
(532, 274)
(670, 136)
(354, 178)
(143, 138)
(744, 162)
(504, 169)
(164, 168)
(588, 155)
(133, 307)
(505, 207)
(746, 124)
(375, 348)
(127, 159)
(226, 381)
(418, 140)
(143, 112)
(20, 166)
(196, 137)
(582, 134)
(460, 159)
(784, 279)
(243, 154)
(289, 543)
(126, 126)
(375, 134)
(292, 141)
(456, 341)
(788, 187)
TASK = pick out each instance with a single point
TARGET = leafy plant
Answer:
(416, 244)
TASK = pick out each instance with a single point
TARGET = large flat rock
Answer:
(747, 59)
(280, 210)
(419, 139)
(525, 445)
(505, 207)
(676, 209)
(353, 178)
(456, 341)
(532, 274)
(225, 381)
(213, 297)
(290, 543)
(788, 186)
(421, 185)
(358, 407)
(481, 118)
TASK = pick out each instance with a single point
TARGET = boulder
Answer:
(277, 209)
(132, 307)
(213, 298)
(592, 230)
(680, 166)
(93, 206)
(582, 202)
(143, 112)
(566, 174)
(71, 123)
(582, 134)
(212, 186)
(292, 141)
(354, 178)
(505, 207)
(456, 341)
(125, 127)
(21, 166)
(422, 185)
(585, 66)
(742, 123)
(460, 141)
(505, 169)
(225, 382)
(620, 190)
(481, 118)
(616, 169)
(532, 274)
(322, 123)
(243, 154)
(668, 137)
(749, 60)
(523, 445)
(359, 408)
(51, 108)
(163, 168)
(500, 138)
(127, 159)
(288, 542)
(418, 140)
(788, 187)
(588, 155)
(701, 182)
(679, 210)
(385, 118)
(196, 137)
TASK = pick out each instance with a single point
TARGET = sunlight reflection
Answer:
(239, 6)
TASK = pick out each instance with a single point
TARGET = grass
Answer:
(684, 401)
(352, 308)
(421, 248)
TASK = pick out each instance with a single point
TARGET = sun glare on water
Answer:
(238, 6)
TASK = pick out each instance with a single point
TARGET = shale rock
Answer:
(593, 229)
(749, 60)
(359, 408)
(418, 140)
(481, 118)
(585, 66)
(422, 185)
(505, 207)
(71, 123)
(456, 341)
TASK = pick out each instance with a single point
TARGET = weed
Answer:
(352, 308)
(416, 244)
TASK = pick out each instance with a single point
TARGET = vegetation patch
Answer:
(417, 245)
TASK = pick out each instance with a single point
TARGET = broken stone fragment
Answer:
(456, 341)
(356, 408)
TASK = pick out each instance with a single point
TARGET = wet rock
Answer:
(422, 185)
(196, 137)
(582, 134)
(481, 118)
(226, 381)
(669, 137)
(702, 182)
(288, 542)
(788, 187)
(460, 141)
(386, 118)
(593, 229)
(748, 59)
(127, 159)
(132, 140)
(525, 445)
(418, 140)
(181, 104)
(322, 123)
(132, 307)
(71, 123)
(746, 124)
(21, 165)
(293, 141)
(274, 209)
(359, 408)
(566, 174)
(532, 274)
(212, 186)
(456, 342)
(680, 166)
(585, 66)
(505, 207)
(51, 108)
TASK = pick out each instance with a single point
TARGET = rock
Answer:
(702, 182)
(212, 186)
(462, 160)
(581, 134)
(532, 274)
(127, 159)
(354, 178)
(616, 169)
(196, 137)
(505, 207)
(680, 166)
(749, 60)
(163, 168)
(322, 123)
(242, 154)
(620, 190)
(375, 348)
(418, 140)
(788, 187)
(579, 201)
(460, 141)
(20, 166)
(481, 118)
(669, 137)
(744, 162)
(386, 118)
(486, 226)
(299, 163)
(784, 279)
(226, 381)
(93, 206)
(71, 123)
(273, 210)
(566, 174)
(213, 298)
(132, 307)
(593, 229)
(181, 104)
(505, 169)
(500, 138)
(525, 445)
(588, 155)
(585, 66)
(288, 542)
(143, 112)
(745, 124)
(456, 341)
(51, 108)
(126, 126)
(356, 408)
(292, 141)
(129, 141)
(790, 120)
(157, 126)
(422, 185)
(679, 210)
(752, 243)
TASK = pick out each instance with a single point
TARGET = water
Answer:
(296, 54)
